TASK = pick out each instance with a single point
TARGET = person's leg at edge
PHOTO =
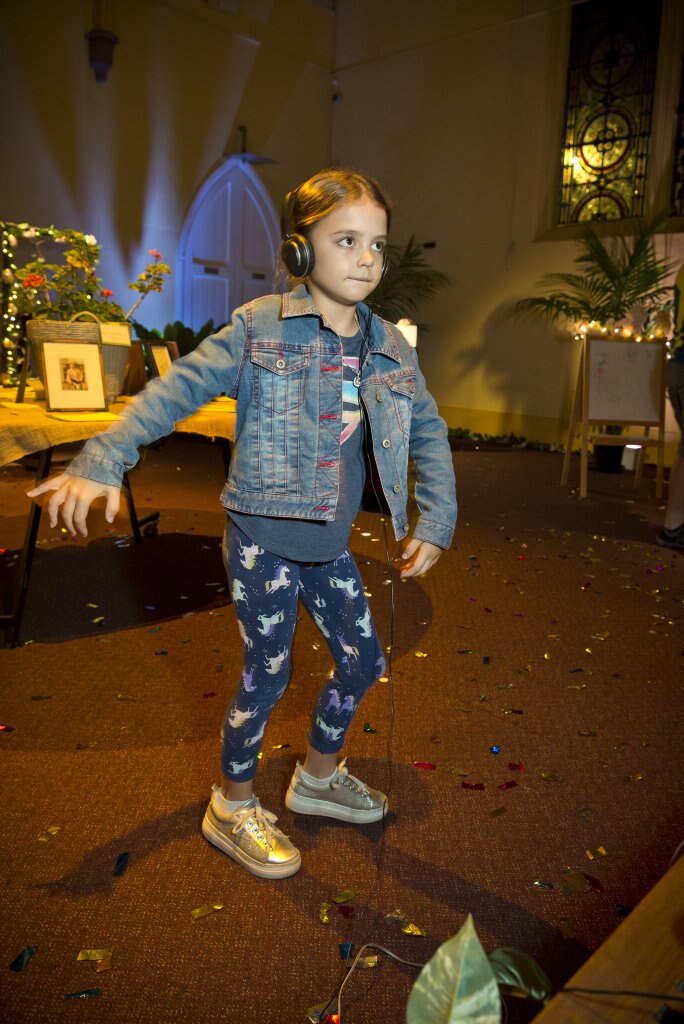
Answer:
(674, 513)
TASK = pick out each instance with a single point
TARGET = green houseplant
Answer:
(408, 283)
(50, 275)
(619, 285)
(618, 289)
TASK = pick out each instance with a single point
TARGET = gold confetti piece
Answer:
(369, 961)
(324, 914)
(464, 708)
(316, 647)
(91, 605)
(103, 965)
(346, 895)
(98, 621)
(586, 732)
(587, 650)
(367, 593)
(600, 851)
(382, 679)
(95, 954)
(395, 915)
(577, 686)
(497, 812)
(49, 834)
(412, 929)
(635, 777)
(620, 747)
(421, 654)
(208, 908)
(547, 656)
(566, 928)
(123, 696)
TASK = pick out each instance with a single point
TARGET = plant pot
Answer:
(115, 356)
(607, 458)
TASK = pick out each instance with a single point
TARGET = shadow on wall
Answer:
(527, 369)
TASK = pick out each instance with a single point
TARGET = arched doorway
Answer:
(227, 246)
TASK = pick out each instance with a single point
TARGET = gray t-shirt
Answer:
(309, 540)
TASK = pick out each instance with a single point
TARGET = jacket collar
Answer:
(383, 335)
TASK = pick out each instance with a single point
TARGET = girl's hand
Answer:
(419, 555)
(76, 494)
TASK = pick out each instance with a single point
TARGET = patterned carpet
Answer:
(537, 669)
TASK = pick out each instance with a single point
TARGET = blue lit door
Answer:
(228, 246)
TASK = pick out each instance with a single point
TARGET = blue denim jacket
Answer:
(281, 360)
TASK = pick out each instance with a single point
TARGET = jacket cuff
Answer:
(433, 532)
(97, 468)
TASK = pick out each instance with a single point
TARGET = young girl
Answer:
(325, 391)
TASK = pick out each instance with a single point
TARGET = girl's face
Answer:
(348, 246)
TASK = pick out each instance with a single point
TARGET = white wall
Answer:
(458, 109)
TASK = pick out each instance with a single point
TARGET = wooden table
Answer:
(644, 954)
(27, 429)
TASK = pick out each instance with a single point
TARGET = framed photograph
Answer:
(159, 356)
(73, 376)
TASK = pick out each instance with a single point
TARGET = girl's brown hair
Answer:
(318, 196)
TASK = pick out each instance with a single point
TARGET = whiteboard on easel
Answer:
(624, 381)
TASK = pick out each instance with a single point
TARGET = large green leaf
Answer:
(457, 984)
(517, 973)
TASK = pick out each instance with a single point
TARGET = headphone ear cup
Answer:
(298, 255)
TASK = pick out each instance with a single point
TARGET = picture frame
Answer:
(73, 376)
(159, 355)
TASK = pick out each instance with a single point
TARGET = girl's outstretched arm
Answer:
(76, 494)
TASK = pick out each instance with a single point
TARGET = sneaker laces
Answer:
(342, 774)
(264, 821)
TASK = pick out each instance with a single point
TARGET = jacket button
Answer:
(280, 363)
(396, 488)
(386, 443)
(378, 396)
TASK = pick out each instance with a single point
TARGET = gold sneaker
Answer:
(344, 797)
(249, 835)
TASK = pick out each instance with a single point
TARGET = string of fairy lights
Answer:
(13, 321)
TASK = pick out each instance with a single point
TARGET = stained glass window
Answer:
(611, 74)
(678, 169)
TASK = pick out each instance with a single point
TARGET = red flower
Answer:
(34, 281)
(106, 293)
(155, 254)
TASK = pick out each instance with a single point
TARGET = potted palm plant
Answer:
(407, 285)
(619, 288)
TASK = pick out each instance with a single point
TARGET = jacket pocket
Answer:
(279, 378)
(403, 391)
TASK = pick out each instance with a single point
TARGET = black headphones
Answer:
(296, 250)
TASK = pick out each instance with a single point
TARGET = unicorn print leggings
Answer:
(265, 589)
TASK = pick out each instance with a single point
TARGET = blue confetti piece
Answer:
(20, 962)
(87, 993)
(346, 950)
(121, 864)
(495, 750)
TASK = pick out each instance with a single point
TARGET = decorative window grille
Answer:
(611, 75)
(677, 197)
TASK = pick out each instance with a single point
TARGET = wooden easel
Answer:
(620, 382)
